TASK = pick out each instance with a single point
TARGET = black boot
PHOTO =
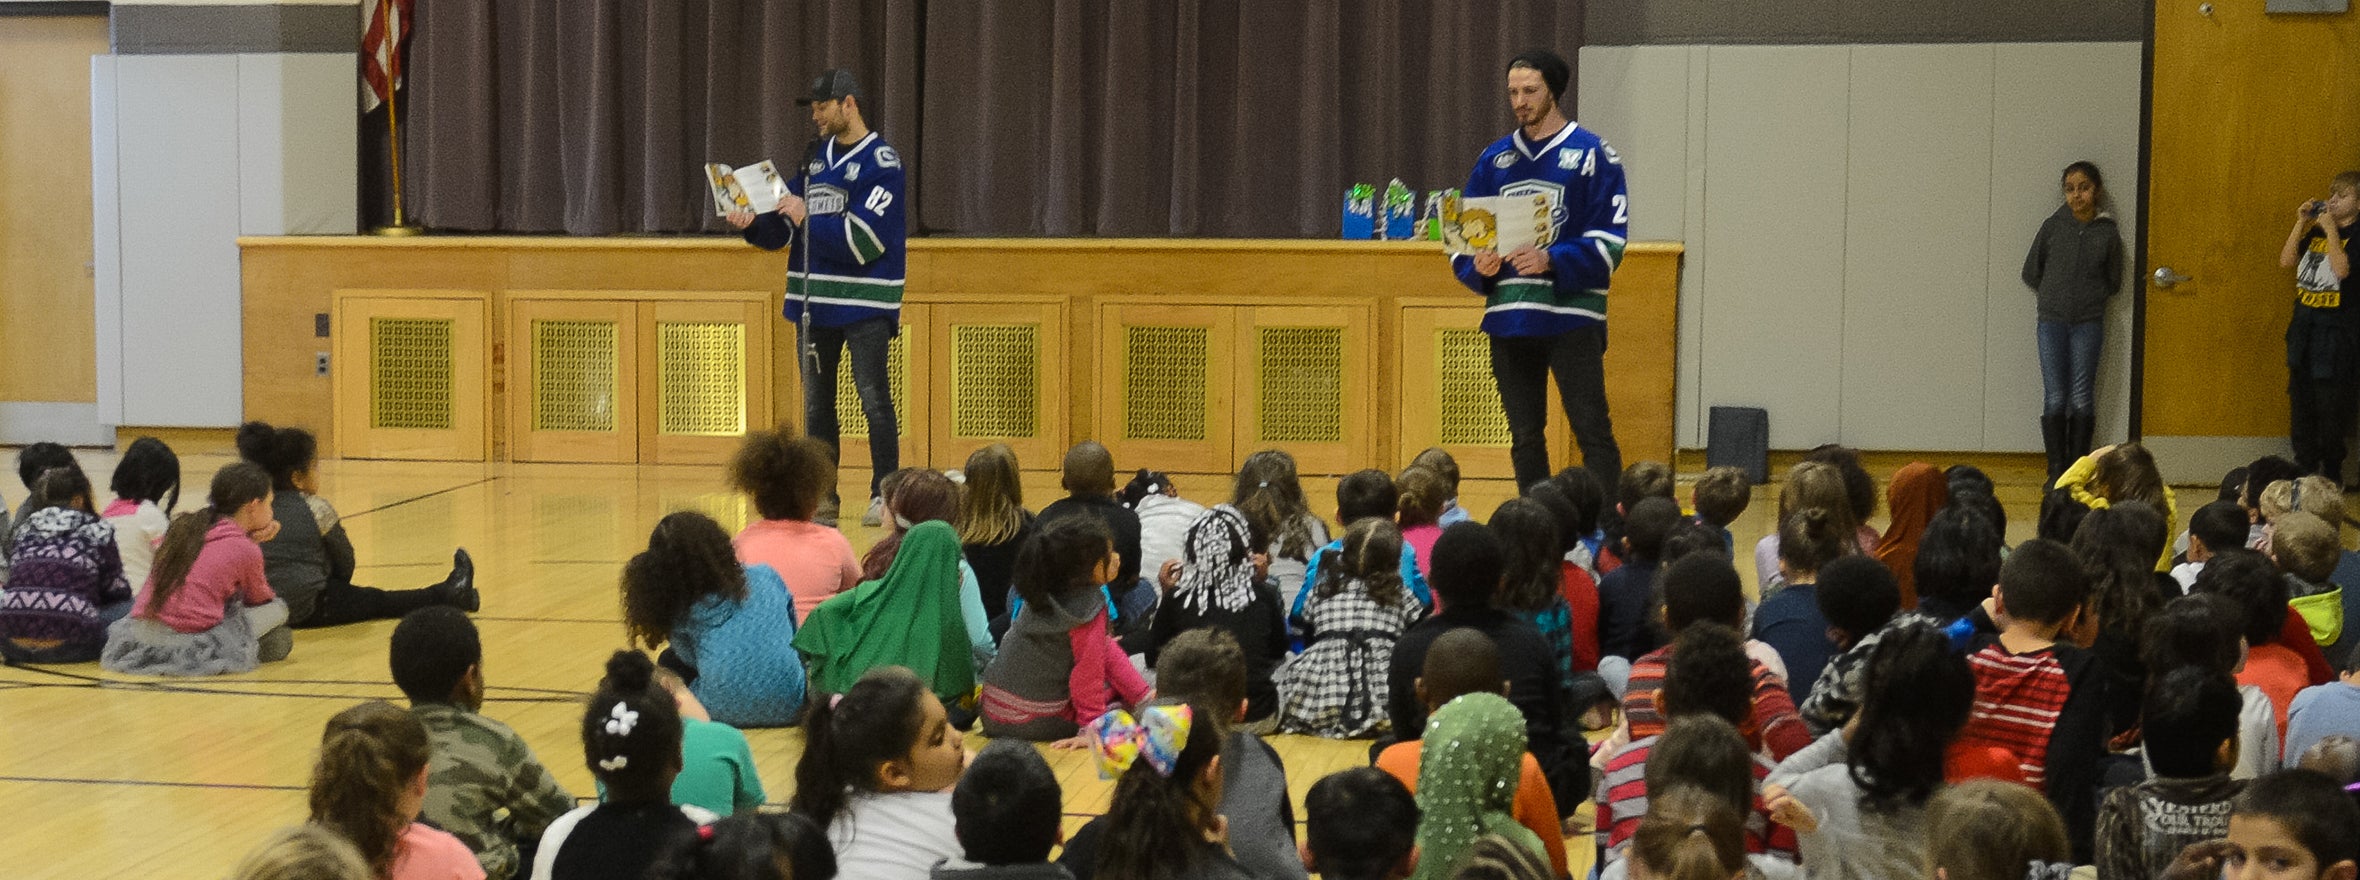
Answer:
(2053, 437)
(2078, 428)
(459, 590)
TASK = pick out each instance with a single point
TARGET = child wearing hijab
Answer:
(1917, 491)
(1467, 782)
(1220, 582)
(910, 618)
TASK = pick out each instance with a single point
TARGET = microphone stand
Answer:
(811, 153)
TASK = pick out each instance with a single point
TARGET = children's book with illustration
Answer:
(757, 187)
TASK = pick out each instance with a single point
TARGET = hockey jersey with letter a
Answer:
(858, 235)
(1583, 179)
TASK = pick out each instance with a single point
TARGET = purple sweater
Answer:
(63, 565)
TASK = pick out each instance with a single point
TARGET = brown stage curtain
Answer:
(595, 117)
(1025, 117)
(1205, 118)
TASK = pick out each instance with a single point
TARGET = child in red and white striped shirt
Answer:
(2036, 693)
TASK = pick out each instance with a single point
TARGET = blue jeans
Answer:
(2069, 367)
(868, 340)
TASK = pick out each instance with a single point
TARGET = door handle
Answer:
(2167, 279)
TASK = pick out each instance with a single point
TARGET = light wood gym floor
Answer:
(115, 776)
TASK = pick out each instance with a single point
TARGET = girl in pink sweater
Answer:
(206, 608)
(1057, 668)
(786, 476)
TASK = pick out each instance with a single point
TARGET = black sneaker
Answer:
(459, 591)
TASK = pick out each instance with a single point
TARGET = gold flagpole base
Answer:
(398, 230)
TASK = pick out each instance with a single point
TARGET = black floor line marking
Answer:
(420, 497)
(229, 689)
(152, 783)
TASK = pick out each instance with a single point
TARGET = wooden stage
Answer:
(1186, 355)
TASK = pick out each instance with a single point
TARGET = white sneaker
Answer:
(876, 513)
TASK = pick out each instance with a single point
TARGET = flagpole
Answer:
(393, 129)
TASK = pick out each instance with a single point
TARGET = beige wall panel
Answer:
(1774, 221)
(1918, 187)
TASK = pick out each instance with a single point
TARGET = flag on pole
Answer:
(385, 35)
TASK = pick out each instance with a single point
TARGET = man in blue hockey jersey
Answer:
(853, 278)
(1545, 305)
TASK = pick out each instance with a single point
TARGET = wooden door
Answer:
(1306, 383)
(705, 378)
(2251, 114)
(998, 375)
(573, 380)
(411, 374)
(1165, 392)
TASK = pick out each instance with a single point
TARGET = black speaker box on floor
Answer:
(1739, 436)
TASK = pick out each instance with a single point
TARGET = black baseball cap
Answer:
(834, 85)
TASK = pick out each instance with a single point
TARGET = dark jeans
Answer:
(1521, 365)
(342, 603)
(2320, 416)
(2323, 376)
(868, 340)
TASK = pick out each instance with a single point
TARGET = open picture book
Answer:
(757, 187)
(1498, 224)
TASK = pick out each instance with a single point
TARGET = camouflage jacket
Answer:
(485, 787)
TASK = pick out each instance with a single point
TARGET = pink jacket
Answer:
(230, 567)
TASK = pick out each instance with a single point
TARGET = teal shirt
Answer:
(716, 770)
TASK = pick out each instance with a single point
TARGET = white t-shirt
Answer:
(1163, 530)
(897, 836)
(136, 536)
(2257, 734)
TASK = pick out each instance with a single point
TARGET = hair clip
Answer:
(1158, 734)
(615, 763)
(1265, 484)
(621, 719)
(2354, 787)
(2040, 870)
(705, 833)
(835, 700)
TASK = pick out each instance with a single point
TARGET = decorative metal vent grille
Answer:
(1164, 382)
(995, 380)
(574, 381)
(410, 373)
(1470, 410)
(701, 379)
(851, 422)
(1299, 387)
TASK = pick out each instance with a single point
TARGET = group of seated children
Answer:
(143, 590)
(1922, 701)
(886, 789)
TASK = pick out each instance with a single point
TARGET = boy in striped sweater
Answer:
(2038, 695)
